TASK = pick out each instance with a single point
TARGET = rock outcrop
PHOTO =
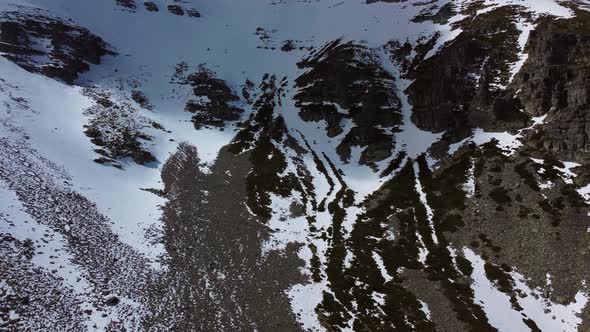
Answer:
(555, 81)
(50, 46)
(212, 100)
(464, 84)
(118, 130)
(346, 83)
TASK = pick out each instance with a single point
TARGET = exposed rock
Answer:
(555, 80)
(346, 82)
(212, 100)
(288, 46)
(218, 251)
(49, 45)
(112, 301)
(118, 130)
(508, 204)
(176, 10)
(151, 6)
(436, 14)
(193, 12)
(128, 4)
(464, 84)
(141, 99)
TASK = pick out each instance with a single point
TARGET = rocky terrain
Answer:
(277, 165)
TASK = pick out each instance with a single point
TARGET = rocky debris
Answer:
(31, 297)
(345, 82)
(112, 301)
(266, 38)
(437, 14)
(141, 99)
(368, 2)
(151, 6)
(266, 135)
(193, 12)
(176, 10)
(128, 4)
(42, 280)
(215, 255)
(555, 80)
(48, 45)
(511, 202)
(212, 100)
(180, 73)
(288, 46)
(507, 204)
(118, 130)
(439, 305)
(464, 84)
(399, 264)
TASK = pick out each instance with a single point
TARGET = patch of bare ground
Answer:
(218, 277)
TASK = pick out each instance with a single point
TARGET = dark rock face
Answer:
(128, 4)
(116, 129)
(391, 1)
(346, 83)
(112, 301)
(467, 84)
(176, 10)
(151, 6)
(288, 46)
(141, 100)
(464, 84)
(49, 46)
(211, 104)
(436, 14)
(265, 136)
(555, 81)
(193, 12)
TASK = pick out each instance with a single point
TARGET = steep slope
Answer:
(294, 165)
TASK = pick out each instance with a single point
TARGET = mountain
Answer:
(294, 165)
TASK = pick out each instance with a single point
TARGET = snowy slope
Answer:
(47, 117)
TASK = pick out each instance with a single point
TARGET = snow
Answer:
(538, 7)
(584, 4)
(585, 193)
(117, 193)
(287, 229)
(51, 252)
(500, 313)
(151, 44)
(304, 300)
(524, 25)
(525, 29)
(379, 261)
(469, 185)
(51, 255)
(424, 201)
(505, 140)
(425, 309)
(564, 172)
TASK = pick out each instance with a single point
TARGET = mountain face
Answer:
(278, 165)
